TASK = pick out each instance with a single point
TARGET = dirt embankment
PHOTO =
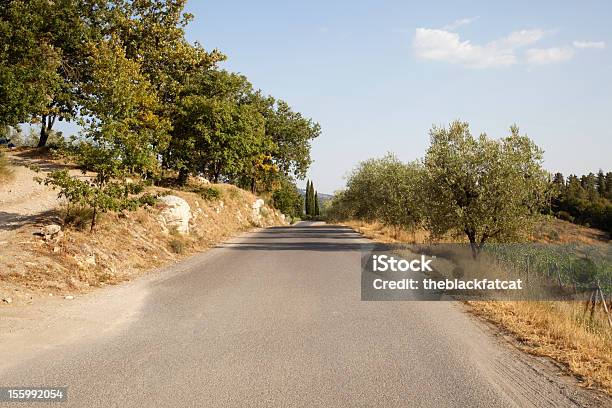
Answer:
(124, 245)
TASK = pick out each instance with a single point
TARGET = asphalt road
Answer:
(271, 319)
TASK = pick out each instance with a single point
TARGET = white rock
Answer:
(175, 214)
(51, 229)
(69, 297)
(258, 204)
(51, 232)
(256, 212)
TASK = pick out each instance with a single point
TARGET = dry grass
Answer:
(6, 172)
(557, 231)
(123, 246)
(382, 233)
(558, 330)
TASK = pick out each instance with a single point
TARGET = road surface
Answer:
(273, 318)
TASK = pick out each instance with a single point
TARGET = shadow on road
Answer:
(313, 238)
(12, 221)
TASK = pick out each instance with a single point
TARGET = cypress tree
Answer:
(311, 200)
(316, 204)
(307, 198)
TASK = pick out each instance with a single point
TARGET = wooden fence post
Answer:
(603, 300)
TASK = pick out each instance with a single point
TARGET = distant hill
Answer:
(322, 196)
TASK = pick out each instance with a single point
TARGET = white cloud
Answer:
(520, 38)
(589, 44)
(543, 56)
(447, 46)
(458, 23)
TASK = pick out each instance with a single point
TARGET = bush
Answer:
(147, 199)
(177, 245)
(564, 215)
(78, 217)
(207, 193)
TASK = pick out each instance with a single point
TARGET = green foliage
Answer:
(207, 193)
(121, 135)
(586, 200)
(288, 199)
(147, 200)
(488, 189)
(146, 99)
(310, 210)
(28, 60)
(99, 197)
(78, 217)
(575, 265)
(291, 135)
(217, 131)
(384, 190)
(483, 188)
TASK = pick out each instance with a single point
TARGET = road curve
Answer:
(273, 318)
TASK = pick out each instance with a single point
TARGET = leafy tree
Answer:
(28, 61)
(384, 190)
(121, 134)
(488, 189)
(291, 135)
(582, 202)
(601, 183)
(153, 34)
(218, 132)
(70, 25)
(288, 199)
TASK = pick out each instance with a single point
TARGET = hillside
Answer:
(124, 245)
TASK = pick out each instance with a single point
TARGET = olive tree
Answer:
(385, 190)
(486, 189)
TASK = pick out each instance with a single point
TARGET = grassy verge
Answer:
(561, 331)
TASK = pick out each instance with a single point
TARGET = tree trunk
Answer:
(45, 128)
(183, 175)
(253, 185)
(471, 234)
(93, 219)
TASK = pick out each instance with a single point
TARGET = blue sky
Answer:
(376, 75)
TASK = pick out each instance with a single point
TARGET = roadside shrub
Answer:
(78, 217)
(207, 193)
(147, 199)
(177, 245)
